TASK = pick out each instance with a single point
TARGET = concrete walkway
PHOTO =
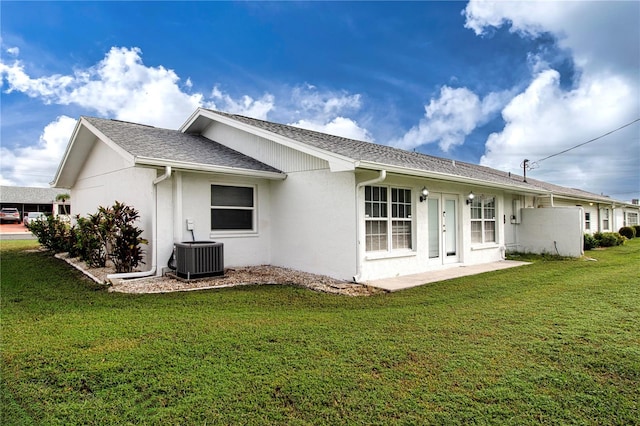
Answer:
(408, 281)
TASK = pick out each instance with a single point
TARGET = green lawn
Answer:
(555, 342)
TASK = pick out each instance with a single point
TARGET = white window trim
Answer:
(390, 252)
(587, 221)
(606, 217)
(478, 245)
(233, 232)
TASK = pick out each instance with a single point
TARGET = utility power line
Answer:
(589, 141)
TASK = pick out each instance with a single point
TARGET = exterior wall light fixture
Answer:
(424, 194)
(470, 198)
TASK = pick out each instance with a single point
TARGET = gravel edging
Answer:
(241, 276)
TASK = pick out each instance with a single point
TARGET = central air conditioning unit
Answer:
(199, 259)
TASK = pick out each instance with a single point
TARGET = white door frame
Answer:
(445, 222)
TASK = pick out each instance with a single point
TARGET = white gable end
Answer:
(264, 150)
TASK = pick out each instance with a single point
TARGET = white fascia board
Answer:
(111, 144)
(337, 163)
(449, 178)
(187, 166)
(191, 119)
(585, 199)
(55, 182)
(69, 159)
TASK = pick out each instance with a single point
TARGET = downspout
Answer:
(380, 178)
(154, 233)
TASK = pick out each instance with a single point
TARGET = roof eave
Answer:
(188, 166)
(55, 183)
(471, 181)
(60, 181)
(449, 177)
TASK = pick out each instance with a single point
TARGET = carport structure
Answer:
(30, 199)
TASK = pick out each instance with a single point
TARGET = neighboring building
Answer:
(285, 196)
(29, 199)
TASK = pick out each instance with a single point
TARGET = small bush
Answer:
(89, 240)
(107, 234)
(609, 239)
(628, 232)
(123, 239)
(637, 228)
(590, 242)
(53, 233)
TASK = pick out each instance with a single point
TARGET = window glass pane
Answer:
(232, 196)
(490, 209)
(434, 227)
(476, 232)
(231, 219)
(476, 212)
(376, 235)
(489, 232)
(401, 231)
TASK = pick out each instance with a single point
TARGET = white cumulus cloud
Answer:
(36, 165)
(325, 111)
(451, 117)
(339, 126)
(119, 86)
(604, 41)
(246, 105)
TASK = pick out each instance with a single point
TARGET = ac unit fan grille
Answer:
(199, 259)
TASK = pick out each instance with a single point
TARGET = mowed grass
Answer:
(555, 342)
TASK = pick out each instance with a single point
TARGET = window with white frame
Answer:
(388, 222)
(605, 219)
(232, 208)
(483, 220)
(632, 219)
(587, 220)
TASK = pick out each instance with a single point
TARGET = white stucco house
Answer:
(280, 195)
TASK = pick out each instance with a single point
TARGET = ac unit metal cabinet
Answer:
(199, 259)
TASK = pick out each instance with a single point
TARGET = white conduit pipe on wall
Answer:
(380, 178)
(154, 233)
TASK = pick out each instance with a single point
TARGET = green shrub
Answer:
(589, 242)
(53, 233)
(90, 240)
(628, 232)
(108, 234)
(637, 228)
(123, 238)
(609, 239)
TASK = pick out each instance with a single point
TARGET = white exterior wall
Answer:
(377, 265)
(314, 223)
(310, 215)
(106, 177)
(556, 230)
(246, 248)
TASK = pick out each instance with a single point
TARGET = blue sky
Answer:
(487, 83)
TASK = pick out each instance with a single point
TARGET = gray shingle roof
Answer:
(172, 145)
(386, 155)
(29, 195)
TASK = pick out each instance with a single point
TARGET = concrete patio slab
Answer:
(408, 281)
